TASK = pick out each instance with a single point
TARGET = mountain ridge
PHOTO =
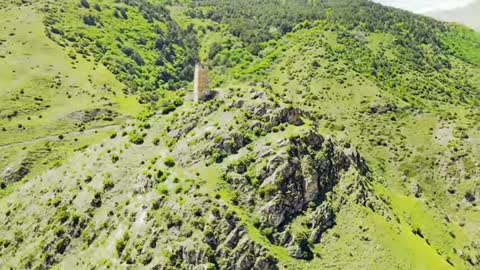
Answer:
(329, 142)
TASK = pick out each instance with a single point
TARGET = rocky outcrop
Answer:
(254, 117)
(290, 115)
(229, 247)
(301, 174)
(16, 174)
(308, 168)
(86, 116)
(383, 109)
(236, 250)
(277, 182)
(278, 115)
(18, 171)
(232, 142)
(323, 218)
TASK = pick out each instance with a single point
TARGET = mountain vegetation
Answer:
(339, 134)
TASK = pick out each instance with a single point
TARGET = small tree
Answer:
(84, 3)
(169, 161)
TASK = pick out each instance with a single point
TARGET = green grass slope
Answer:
(54, 101)
(343, 135)
(44, 88)
(136, 40)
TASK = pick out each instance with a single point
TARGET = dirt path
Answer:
(50, 137)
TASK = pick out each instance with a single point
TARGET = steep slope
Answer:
(155, 197)
(47, 90)
(341, 134)
(53, 101)
(136, 40)
(390, 123)
(268, 199)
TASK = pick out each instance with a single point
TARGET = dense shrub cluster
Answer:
(258, 21)
(136, 40)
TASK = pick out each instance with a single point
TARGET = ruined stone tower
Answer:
(200, 82)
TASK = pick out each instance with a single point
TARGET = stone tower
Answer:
(200, 83)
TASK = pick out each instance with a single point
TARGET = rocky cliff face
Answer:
(300, 174)
(225, 245)
(278, 169)
(277, 185)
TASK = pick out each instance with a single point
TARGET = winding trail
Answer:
(55, 136)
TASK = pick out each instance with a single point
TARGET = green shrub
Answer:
(267, 191)
(90, 20)
(97, 200)
(136, 138)
(120, 246)
(211, 266)
(169, 161)
(460, 132)
(256, 182)
(267, 232)
(256, 222)
(88, 179)
(163, 190)
(84, 3)
(55, 201)
(108, 184)
(168, 108)
(62, 245)
(217, 139)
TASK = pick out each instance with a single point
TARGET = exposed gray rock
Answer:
(310, 179)
(182, 132)
(16, 174)
(416, 190)
(232, 142)
(263, 263)
(194, 256)
(360, 162)
(258, 94)
(300, 250)
(292, 116)
(383, 109)
(323, 218)
(86, 116)
(261, 109)
(234, 237)
(238, 104)
(273, 212)
(302, 173)
(300, 176)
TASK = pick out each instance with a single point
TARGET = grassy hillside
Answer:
(136, 40)
(53, 101)
(45, 90)
(342, 134)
